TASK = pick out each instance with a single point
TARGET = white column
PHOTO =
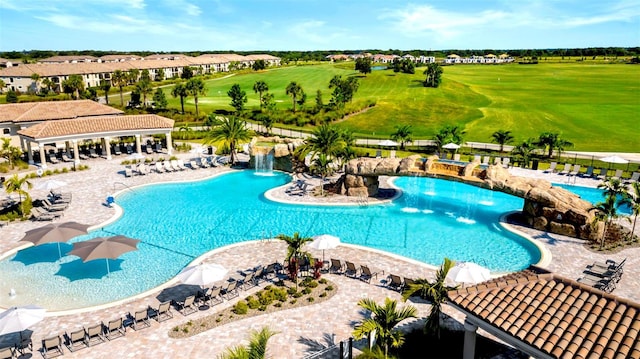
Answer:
(138, 145)
(169, 144)
(29, 154)
(76, 153)
(107, 147)
(43, 156)
(22, 145)
(469, 340)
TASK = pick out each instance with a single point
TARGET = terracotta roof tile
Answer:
(88, 125)
(53, 110)
(556, 315)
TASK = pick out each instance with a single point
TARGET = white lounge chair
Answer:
(181, 165)
(618, 174)
(193, 165)
(552, 167)
(566, 169)
(635, 177)
(159, 167)
(576, 170)
(505, 162)
(175, 165)
(168, 167)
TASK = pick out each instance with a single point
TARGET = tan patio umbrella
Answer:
(55, 232)
(104, 247)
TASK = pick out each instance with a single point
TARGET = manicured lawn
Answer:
(597, 107)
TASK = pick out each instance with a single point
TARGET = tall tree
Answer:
(321, 164)
(238, 97)
(231, 130)
(15, 184)
(403, 134)
(294, 90)
(502, 137)
(73, 85)
(257, 348)
(524, 152)
(295, 253)
(180, 90)
(259, 65)
(159, 99)
(632, 199)
(47, 83)
(325, 140)
(120, 80)
(105, 86)
(36, 82)
(363, 65)
(9, 152)
(551, 141)
(434, 75)
(606, 212)
(3, 85)
(435, 291)
(383, 320)
(133, 76)
(143, 87)
(187, 73)
(343, 90)
(160, 75)
(195, 87)
(319, 103)
(260, 87)
(145, 75)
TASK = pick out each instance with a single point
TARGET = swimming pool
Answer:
(593, 195)
(178, 222)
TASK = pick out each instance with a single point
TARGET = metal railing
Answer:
(341, 350)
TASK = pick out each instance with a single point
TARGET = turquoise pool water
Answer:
(593, 195)
(178, 222)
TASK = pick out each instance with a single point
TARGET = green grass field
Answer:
(597, 107)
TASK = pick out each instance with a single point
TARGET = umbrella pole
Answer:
(108, 271)
(323, 256)
(59, 251)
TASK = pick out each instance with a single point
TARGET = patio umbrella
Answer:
(451, 146)
(387, 143)
(324, 241)
(55, 232)
(50, 184)
(17, 319)
(136, 156)
(614, 159)
(202, 274)
(104, 247)
(468, 273)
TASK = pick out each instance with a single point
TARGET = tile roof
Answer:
(69, 58)
(555, 315)
(100, 124)
(53, 110)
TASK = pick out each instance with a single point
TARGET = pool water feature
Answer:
(178, 222)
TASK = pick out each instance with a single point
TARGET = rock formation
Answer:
(280, 148)
(547, 208)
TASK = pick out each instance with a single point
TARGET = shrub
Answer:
(306, 291)
(240, 308)
(65, 170)
(297, 295)
(291, 291)
(311, 284)
(266, 297)
(293, 301)
(329, 288)
(311, 299)
(278, 305)
(323, 294)
(262, 308)
(280, 294)
(323, 281)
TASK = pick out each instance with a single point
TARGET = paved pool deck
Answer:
(300, 330)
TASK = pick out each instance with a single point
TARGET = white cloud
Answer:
(192, 10)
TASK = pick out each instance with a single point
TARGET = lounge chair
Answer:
(53, 207)
(187, 306)
(505, 162)
(210, 296)
(76, 340)
(477, 158)
(604, 284)
(66, 158)
(52, 347)
(7, 353)
(163, 312)
(497, 161)
(395, 282)
(407, 282)
(618, 174)
(181, 165)
(92, 153)
(366, 274)
(635, 177)
(159, 167)
(114, 329)
(201, 163)
(148, 149)
(116, 150)
(552, 167)
(95, 334)
(456, 157)
(128, 172)
(351, 269)
(53, 159)
(38, 214)
(83, 157)
(230, 289)
(158, 147)
(140, 319)
(167, 166)
(129, 149)
(575, 171)
(608, 269)
(485, 160)
(336, 266)
(249, 281)
(176, 166)
(566, 169)
(603, 173)
(589, 172)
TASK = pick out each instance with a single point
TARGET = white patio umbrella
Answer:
(136, 156)
(17, 319)
(468, 273)
(324, 241)
(387, 143)
(614, 159)
(49, 184)
(451, 146)
(202, 274)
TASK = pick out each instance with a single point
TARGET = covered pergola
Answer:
(548, 316)
(95, 127)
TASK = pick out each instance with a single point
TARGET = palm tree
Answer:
(105, 85)
(180, 90)
(295, 254)
(502, 138)
(74, 84)
(120, 79)
(632, 199)
(257, 348)
(36, 81)
(144, 88)
(325, 139)
(322, 165)
(2, 85)
(260, 87)
(14, 184)
(195, 87)
(294, 90)
(524, 152)
(612, 187)
(229, 129)
(606, 212)
(552, 141)
(383, 319)
(435, 291)
(403, 134)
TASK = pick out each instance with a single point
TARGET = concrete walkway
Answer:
(300, 329)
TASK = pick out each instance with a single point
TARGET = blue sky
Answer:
(184, 25)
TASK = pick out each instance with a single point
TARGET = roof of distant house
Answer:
(68, 58)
